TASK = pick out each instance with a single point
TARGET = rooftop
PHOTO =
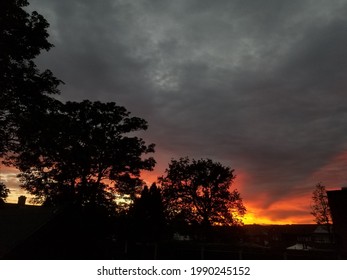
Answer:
(18, 222)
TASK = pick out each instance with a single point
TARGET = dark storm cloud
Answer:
(95, 54)
(259, 85)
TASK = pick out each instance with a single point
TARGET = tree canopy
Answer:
(23, 86)
(24, 89)
(85, 152)
(147, 214)
(199, 192)
(4, 192)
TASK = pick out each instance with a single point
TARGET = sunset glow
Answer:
(232, 81)
(173, 130)
(291, 209)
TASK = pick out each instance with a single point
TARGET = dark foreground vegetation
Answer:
(74, 234)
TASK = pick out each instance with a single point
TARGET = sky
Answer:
(259, 86)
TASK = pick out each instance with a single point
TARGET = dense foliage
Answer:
(24, 89)
(23, 86)
(84, 154)
(199, 192)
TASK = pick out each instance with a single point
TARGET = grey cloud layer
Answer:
(259, 85)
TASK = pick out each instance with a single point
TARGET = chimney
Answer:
(21, 200)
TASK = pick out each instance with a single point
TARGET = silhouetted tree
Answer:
(23, 87)
(320, 207)
(83, 154)
(155, 206)
(198, 192)
(4, 192)
(147, 214)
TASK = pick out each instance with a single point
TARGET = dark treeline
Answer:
(83, 157)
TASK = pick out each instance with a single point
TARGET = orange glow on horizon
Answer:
(293, 208)
(251, 218)
(255, 213)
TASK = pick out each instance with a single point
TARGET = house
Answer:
(181, 237)
(18, 222)
(300, 246)
(278, 236)
(323, 235)
(338, 206)
(49, 233)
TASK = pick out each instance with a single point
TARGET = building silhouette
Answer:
(338, 207)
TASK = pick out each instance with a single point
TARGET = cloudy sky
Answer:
(257, 85)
